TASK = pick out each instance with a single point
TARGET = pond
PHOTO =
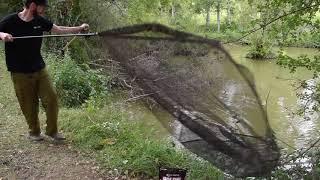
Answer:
(282, 102)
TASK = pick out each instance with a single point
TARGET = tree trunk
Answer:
(161, 8)
(218, 17)
(229, 12)
(173, 11)
(208, 16)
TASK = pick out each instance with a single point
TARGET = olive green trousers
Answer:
(30, 88)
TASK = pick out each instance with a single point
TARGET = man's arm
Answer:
(3, 26)
(6, 37)
(65, 30)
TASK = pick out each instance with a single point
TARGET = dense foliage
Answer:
(279, 22)
(76, 84)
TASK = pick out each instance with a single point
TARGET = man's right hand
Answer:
(6, 37)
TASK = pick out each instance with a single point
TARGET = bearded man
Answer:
(26, 65)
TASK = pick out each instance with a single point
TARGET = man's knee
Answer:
(49, 101)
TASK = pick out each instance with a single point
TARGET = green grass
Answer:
(128, 145)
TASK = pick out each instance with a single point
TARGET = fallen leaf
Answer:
(108, 141)
(125, 161)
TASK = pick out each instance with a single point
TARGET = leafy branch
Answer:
(274, 20)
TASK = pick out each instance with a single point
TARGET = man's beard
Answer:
(35, 13)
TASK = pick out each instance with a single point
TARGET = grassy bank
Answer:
(128, 146)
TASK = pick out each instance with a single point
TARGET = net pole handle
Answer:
(58, 35)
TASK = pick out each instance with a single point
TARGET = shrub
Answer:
(77, 51)
(75, 84)
(260, 48)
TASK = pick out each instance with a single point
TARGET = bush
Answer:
(75, 85)
(78, 52)
(261, 48)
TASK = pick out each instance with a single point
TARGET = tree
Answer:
(207, 6)
(8, 6)
(279, 15)
(291, 19)
(229, 13)
(218, 4)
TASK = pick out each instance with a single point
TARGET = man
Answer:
(24, 61)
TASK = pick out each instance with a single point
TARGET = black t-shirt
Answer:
(24, 55)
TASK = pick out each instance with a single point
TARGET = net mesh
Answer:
(213, 98)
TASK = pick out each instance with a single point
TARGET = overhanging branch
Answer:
(272, 21)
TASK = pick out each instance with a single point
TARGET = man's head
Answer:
(36, 6)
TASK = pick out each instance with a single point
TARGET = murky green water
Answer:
(282, 101)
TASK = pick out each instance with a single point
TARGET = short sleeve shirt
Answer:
(24, 55)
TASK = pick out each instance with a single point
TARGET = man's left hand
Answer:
(84, 27)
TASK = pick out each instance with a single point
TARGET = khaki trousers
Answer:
(30, 88)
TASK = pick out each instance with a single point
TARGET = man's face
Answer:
(38, 10)
(41, 10)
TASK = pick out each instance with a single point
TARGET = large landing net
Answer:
(197, 81)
